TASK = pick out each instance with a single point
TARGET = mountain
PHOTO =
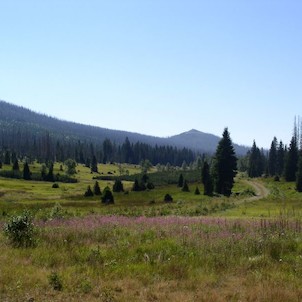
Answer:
(194, 139)
(15, 119)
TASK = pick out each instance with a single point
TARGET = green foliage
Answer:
(291, 162)
(71, 166)
(197, 192)
(16, 165)
(299, 174)
(88, 192)
(168, 198)
(107, 196)
(57, 211)
(26, 172)
(256, 162)
(180, 181)
(185, 187)
(20, 230)
(207, 179)
(96, 189)
(55, 281)
(94, 164)
(55, 186)
(225, 165)
(118, 186)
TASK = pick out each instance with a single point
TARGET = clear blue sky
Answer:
(157, 67)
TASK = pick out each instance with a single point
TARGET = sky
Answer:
(157, 67)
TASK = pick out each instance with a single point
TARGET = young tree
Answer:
(180, 181)
(26, 172)
(107, 196)
(206, 179)
(299, 174)
(16, 165)
(256, 162)
(118, 186)
(197, 192)
(185, 187)
(97, 189)
(291, 162)
(88, 192)
(71, 166)
(225, 165)
(272, 158)
(7, 158)
(94, 164)
(136, 186)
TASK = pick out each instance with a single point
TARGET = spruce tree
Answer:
(280, 159)
(180, 181)
(26, 172)
(185, 187)
(225, 165)
(94, 164)
(97, 189)
(197, 192)
(107, 196)
(7, 158)
(291, 162)
(88, 192)
(299, 174)
(272, 158)
(256, 162)
(206, 179)
(118, 186)
(136, 186)
(16, 165)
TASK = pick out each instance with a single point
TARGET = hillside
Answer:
(16, 117)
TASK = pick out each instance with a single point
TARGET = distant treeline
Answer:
(36, 144)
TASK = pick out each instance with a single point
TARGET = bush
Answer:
(55, 281)
(197, 192)
(118, 186)
(20, 230)
(97, 189)
(55, 186)
(276, 178)
(168, 198)
(88, 192)
(107, 197)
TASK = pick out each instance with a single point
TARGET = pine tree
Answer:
(291, 162)
(94, 164)
(256, 162)
(197, 192)
(16, 165)
(136, 186)
(107, 196)
(118, 186)
(280, 159)
(88, 192)
(299, 174)
(26, 172)
(180, 181)
(206, 179)
(97, 189)
(7, 158)
(225, 165)
(185, 187)
(272, 158)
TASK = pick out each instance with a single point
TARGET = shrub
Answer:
(97, 189)
(118, 186)
(168, 198)
(276, 178)
(107, 197)
(197, 192)
(88, 192)
(185, 187)
(20, 230)
(55, 281)
(55, 186)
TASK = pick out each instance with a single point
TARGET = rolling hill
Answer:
(12, 116)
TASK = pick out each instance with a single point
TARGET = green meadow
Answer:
(247, 247)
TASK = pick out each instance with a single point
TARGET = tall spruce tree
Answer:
(225, 165)
(94, 164)
(206, 179)
(291, 162)
(299, 174)
(180, 181)
(256, 162)
(280, 159)
(26, 172)
(272, 158)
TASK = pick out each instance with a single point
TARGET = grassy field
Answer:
(197, 248)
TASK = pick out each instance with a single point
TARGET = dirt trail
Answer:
(260, 189)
